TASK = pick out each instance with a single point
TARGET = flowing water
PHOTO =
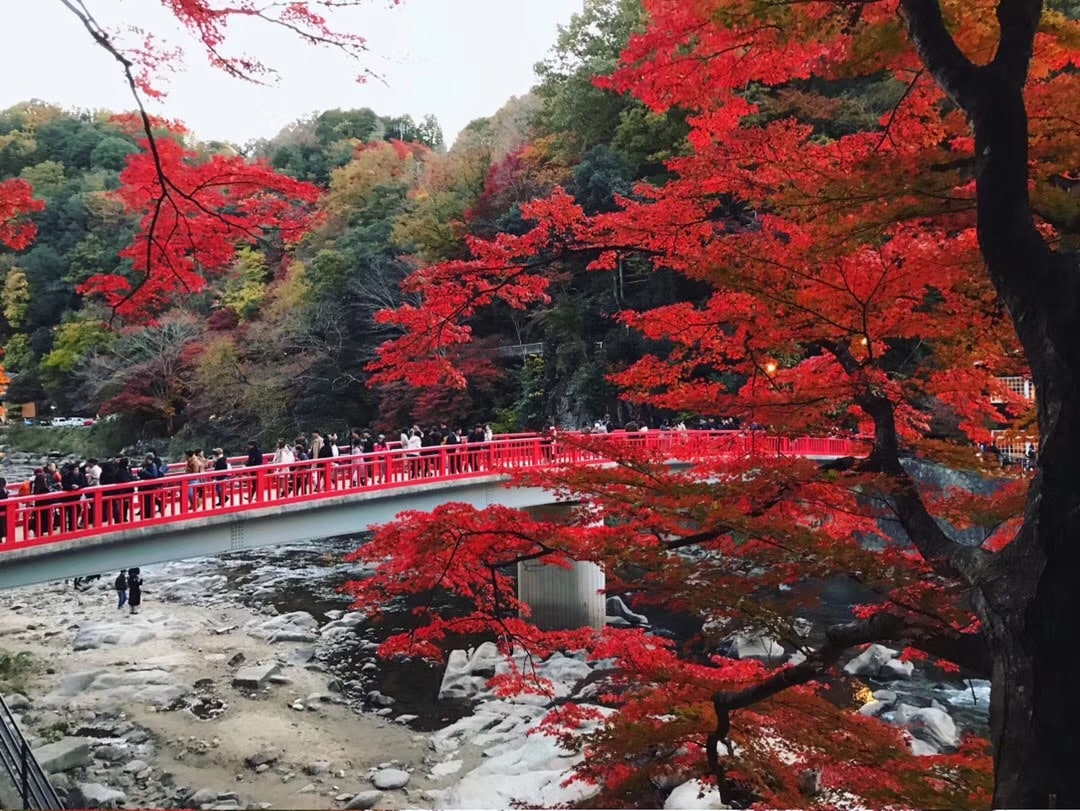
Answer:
(308, 577)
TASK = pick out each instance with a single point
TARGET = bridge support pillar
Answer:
(562, 599)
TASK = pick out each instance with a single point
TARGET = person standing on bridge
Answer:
(254, 459)
(220, 463)
(121, 586)
(134, 584)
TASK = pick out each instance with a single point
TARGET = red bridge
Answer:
(58, 535)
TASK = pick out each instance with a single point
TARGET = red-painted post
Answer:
(10, 512)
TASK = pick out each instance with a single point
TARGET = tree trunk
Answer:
(1030, 615)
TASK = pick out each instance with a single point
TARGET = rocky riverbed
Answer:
(246, 682)
(220, 694)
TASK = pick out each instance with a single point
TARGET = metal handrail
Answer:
(36, 520)
(17, 759)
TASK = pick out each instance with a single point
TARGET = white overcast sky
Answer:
(458, 59)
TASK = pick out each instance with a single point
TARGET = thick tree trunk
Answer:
(1030, 595)
(1030, 613)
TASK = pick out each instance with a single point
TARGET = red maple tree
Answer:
(195, 213)
(877, 280)
(17, 203)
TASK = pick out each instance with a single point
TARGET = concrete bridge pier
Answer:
(562, 599)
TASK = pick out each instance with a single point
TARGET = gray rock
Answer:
(886, 696)
(95, 795)
(17, 702)
(364, 800)
(896, 669)
(617, 607)
(61, 781)
(236, 659)
(929, 724)
(94, 635)
(922, 748)
(202, 797)
(317, 768)
(873, 708)
(870, 661)
(299, 656)
(308, 789)
(135, 767)
(112, 753)
(64, 755)
(293, 636)
(757, 646)
(253, 676)
(380, 700)
(388, 779)
(261, 759)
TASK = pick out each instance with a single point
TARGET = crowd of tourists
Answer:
(145, 499)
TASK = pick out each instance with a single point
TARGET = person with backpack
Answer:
(121, 586)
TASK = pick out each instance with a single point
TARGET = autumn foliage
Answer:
(195, 213)
(847, 292)
(17, 203)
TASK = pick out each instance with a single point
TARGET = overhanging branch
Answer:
(968, 650)
(939, 52)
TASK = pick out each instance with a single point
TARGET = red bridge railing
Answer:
(30, 521)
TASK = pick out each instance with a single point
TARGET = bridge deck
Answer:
(116, 526)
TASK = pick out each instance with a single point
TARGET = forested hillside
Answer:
(278, 342)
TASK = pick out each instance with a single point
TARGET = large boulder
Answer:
(930, 724)
(95, 795)
(897, 669)
(755, 646)
(695, 794)
(64, 755)
(295, 626)
(17, 702)
(870, 662)
(467, 672)
(388, 779)
(190, 590)
(252, 677)
(616, 607)
(94, 635)
(364, 800)
(102, 689)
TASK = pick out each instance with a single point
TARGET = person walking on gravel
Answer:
(121, 586)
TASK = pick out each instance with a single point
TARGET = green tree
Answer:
(46, 178)
(16, 297)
